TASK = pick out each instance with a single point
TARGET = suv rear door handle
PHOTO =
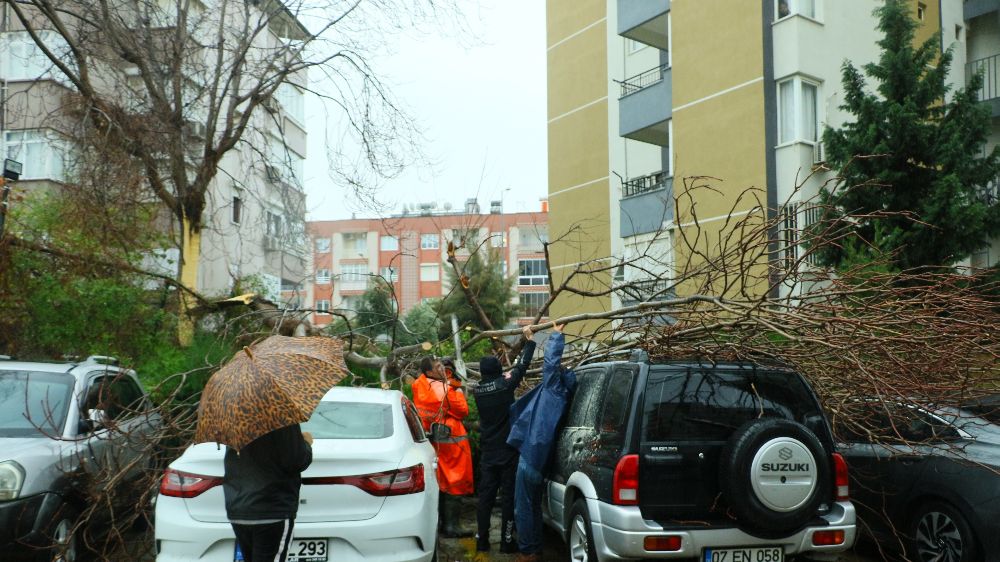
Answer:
(671, 459)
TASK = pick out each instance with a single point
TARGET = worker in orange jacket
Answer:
(439, 400)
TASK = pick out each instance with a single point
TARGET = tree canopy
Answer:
(483, 272)
(913, 164)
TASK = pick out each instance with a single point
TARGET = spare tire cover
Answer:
(774, 474)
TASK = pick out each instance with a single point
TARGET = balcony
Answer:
(975, 8)
(989, 92)
(645, 106)
(653, 290)
(644, 21)
(647, 202)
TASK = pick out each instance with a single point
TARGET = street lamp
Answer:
(11, 171)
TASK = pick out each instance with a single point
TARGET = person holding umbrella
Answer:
(441, 405)
(254, 405)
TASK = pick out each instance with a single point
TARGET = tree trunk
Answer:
(190, 254)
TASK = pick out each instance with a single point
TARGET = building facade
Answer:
(645, 95)
(411, 251)
(254, 218)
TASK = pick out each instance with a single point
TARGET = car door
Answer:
(612, 428)
(94, 448)
(575, 446)
(885, 462)
(133, 429)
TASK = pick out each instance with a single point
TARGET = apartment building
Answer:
(410, 251)
(645, 93)
(254, 219)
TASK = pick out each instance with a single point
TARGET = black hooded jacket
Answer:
(262, 482)
(494, 396)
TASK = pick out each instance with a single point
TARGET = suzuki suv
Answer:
(720, 462)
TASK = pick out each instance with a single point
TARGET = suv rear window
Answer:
(702, 405)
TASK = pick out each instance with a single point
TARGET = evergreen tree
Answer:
(376, 315)
(909, 151)
(493, 290)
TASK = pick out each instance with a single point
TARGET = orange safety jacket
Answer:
(440, 402)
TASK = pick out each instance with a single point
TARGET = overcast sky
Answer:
(480, 101)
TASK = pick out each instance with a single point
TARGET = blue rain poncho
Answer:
(536, 415)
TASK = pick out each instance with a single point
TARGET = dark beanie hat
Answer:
(489, 367)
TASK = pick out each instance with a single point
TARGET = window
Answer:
(322, 276)
(355, 243)
(353, 272)
(323, 307)
(430, 242)
(413, 421)
(390, 274)
(532, 303)
(785, 8)
(532, 273)
(798, 119)
(585, 399)
(921, 11)
(388, 243)
(498, 240)
(467, 237)
(633, 46)
(350, 420)
(41, 153)
(273, 224)
(533, 238)
(351, 303)
(616, 401)
(237, 209)
(24, 60)
(430, 272)
(322, 245)
(34, 404)
(126, 397)
(292, 101)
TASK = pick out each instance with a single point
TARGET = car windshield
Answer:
(350, 420)
(34, 404)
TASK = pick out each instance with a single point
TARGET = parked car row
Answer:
(721, 462)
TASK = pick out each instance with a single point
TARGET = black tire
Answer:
(938, 531)
(735, 474)
(579, 534)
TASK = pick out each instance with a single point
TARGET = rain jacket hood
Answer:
(535, 417)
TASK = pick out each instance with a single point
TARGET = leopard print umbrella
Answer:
(275, 383)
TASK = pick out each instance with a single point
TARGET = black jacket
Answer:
(493, 399)
(263, 480)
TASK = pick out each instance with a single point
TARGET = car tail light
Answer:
(840, 477)
(669, 543)
(828, 538)
(625, 490)
(392, 483)
(179, 484)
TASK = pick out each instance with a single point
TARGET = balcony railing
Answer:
(642, 81)
(643, 184)
(648, 290)
(989, 67)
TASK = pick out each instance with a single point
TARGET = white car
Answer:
(369, 494)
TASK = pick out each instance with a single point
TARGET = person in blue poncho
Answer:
(534, 420)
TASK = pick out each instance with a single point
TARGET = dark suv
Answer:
(720, 462)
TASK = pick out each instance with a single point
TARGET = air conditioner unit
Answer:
(819, 153)
(195, 129)
(272, 243)
(273, 173)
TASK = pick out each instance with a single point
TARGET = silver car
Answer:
(66, 428)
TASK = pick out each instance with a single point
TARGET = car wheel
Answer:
(580, 539)
(940, 533)
(64, 541)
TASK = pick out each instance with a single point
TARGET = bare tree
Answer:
(173, 92)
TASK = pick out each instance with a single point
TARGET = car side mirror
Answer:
(97, 419)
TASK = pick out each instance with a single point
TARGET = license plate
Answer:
(756, 554)
(300, 550)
